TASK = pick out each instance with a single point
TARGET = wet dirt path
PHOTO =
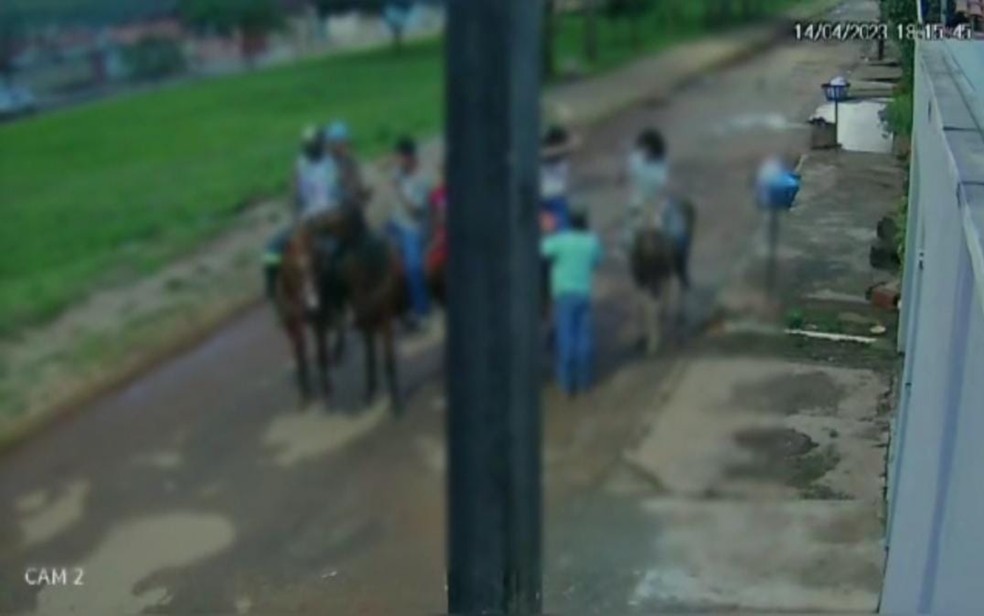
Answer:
(201, 488)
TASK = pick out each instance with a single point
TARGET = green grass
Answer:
(113, 190)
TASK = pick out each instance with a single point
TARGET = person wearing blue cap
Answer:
(352, 191)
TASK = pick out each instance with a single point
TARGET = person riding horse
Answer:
(314, 179)
(658, 233)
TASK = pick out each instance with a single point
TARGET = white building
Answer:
(935, 537)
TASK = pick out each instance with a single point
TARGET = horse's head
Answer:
(299, 265)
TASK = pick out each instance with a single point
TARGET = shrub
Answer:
(154, 58)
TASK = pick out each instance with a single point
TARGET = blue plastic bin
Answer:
(781, 194)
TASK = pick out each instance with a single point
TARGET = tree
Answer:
(902, 12)
(590, 9)
(154, 58)
(396, 14)
(547, 56)
(11, 29)
(630, 11)
(253, 19)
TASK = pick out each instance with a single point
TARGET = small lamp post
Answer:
(835, 91)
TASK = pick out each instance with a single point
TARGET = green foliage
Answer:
(625, 8)
(154, 58)
(898, 113)
(902, 12)
(901, 216)
(11, 25)
(899, 110)
(227, 16)
(259, 16)
(110, 191)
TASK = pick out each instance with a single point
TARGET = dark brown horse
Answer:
(316, 289)
(300, 304)
(654, 261)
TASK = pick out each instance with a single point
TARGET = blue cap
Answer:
(337, 132)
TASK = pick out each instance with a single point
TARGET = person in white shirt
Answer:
(315, 179)
(648, 175)
(314, 186)
(409, 223)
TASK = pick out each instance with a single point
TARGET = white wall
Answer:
(936, 469)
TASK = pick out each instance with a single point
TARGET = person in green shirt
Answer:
(574, 255)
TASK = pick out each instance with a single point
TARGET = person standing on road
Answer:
(409, 224)
(555, 178)
(574, 255)
(313, 195)
(437, 252)
(648, 175)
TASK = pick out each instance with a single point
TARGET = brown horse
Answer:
(655, 260)
(301, 303)
(313, 289)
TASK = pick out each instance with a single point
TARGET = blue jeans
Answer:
(412, 246)
(575, 342)
(559, 209)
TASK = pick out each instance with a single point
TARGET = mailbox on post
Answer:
(836, 92)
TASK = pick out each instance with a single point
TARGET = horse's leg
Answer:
(369, 342)
(642, 316)
(653, 320)
(339, 348)
(389, 357)
(683, 281)
(295, 331)
(324, 360)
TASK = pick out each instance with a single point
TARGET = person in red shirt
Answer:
(437, 254)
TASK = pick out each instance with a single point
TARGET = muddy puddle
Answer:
(861, 127)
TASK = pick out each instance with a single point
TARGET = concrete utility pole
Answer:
(494, 429)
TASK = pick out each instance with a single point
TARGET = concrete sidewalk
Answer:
(770, 450)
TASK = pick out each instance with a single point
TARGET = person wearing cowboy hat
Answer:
(313, 195)
(556, 149)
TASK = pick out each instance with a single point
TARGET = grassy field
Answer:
(107, 192)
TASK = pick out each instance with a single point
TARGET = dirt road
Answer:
(201, 488)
